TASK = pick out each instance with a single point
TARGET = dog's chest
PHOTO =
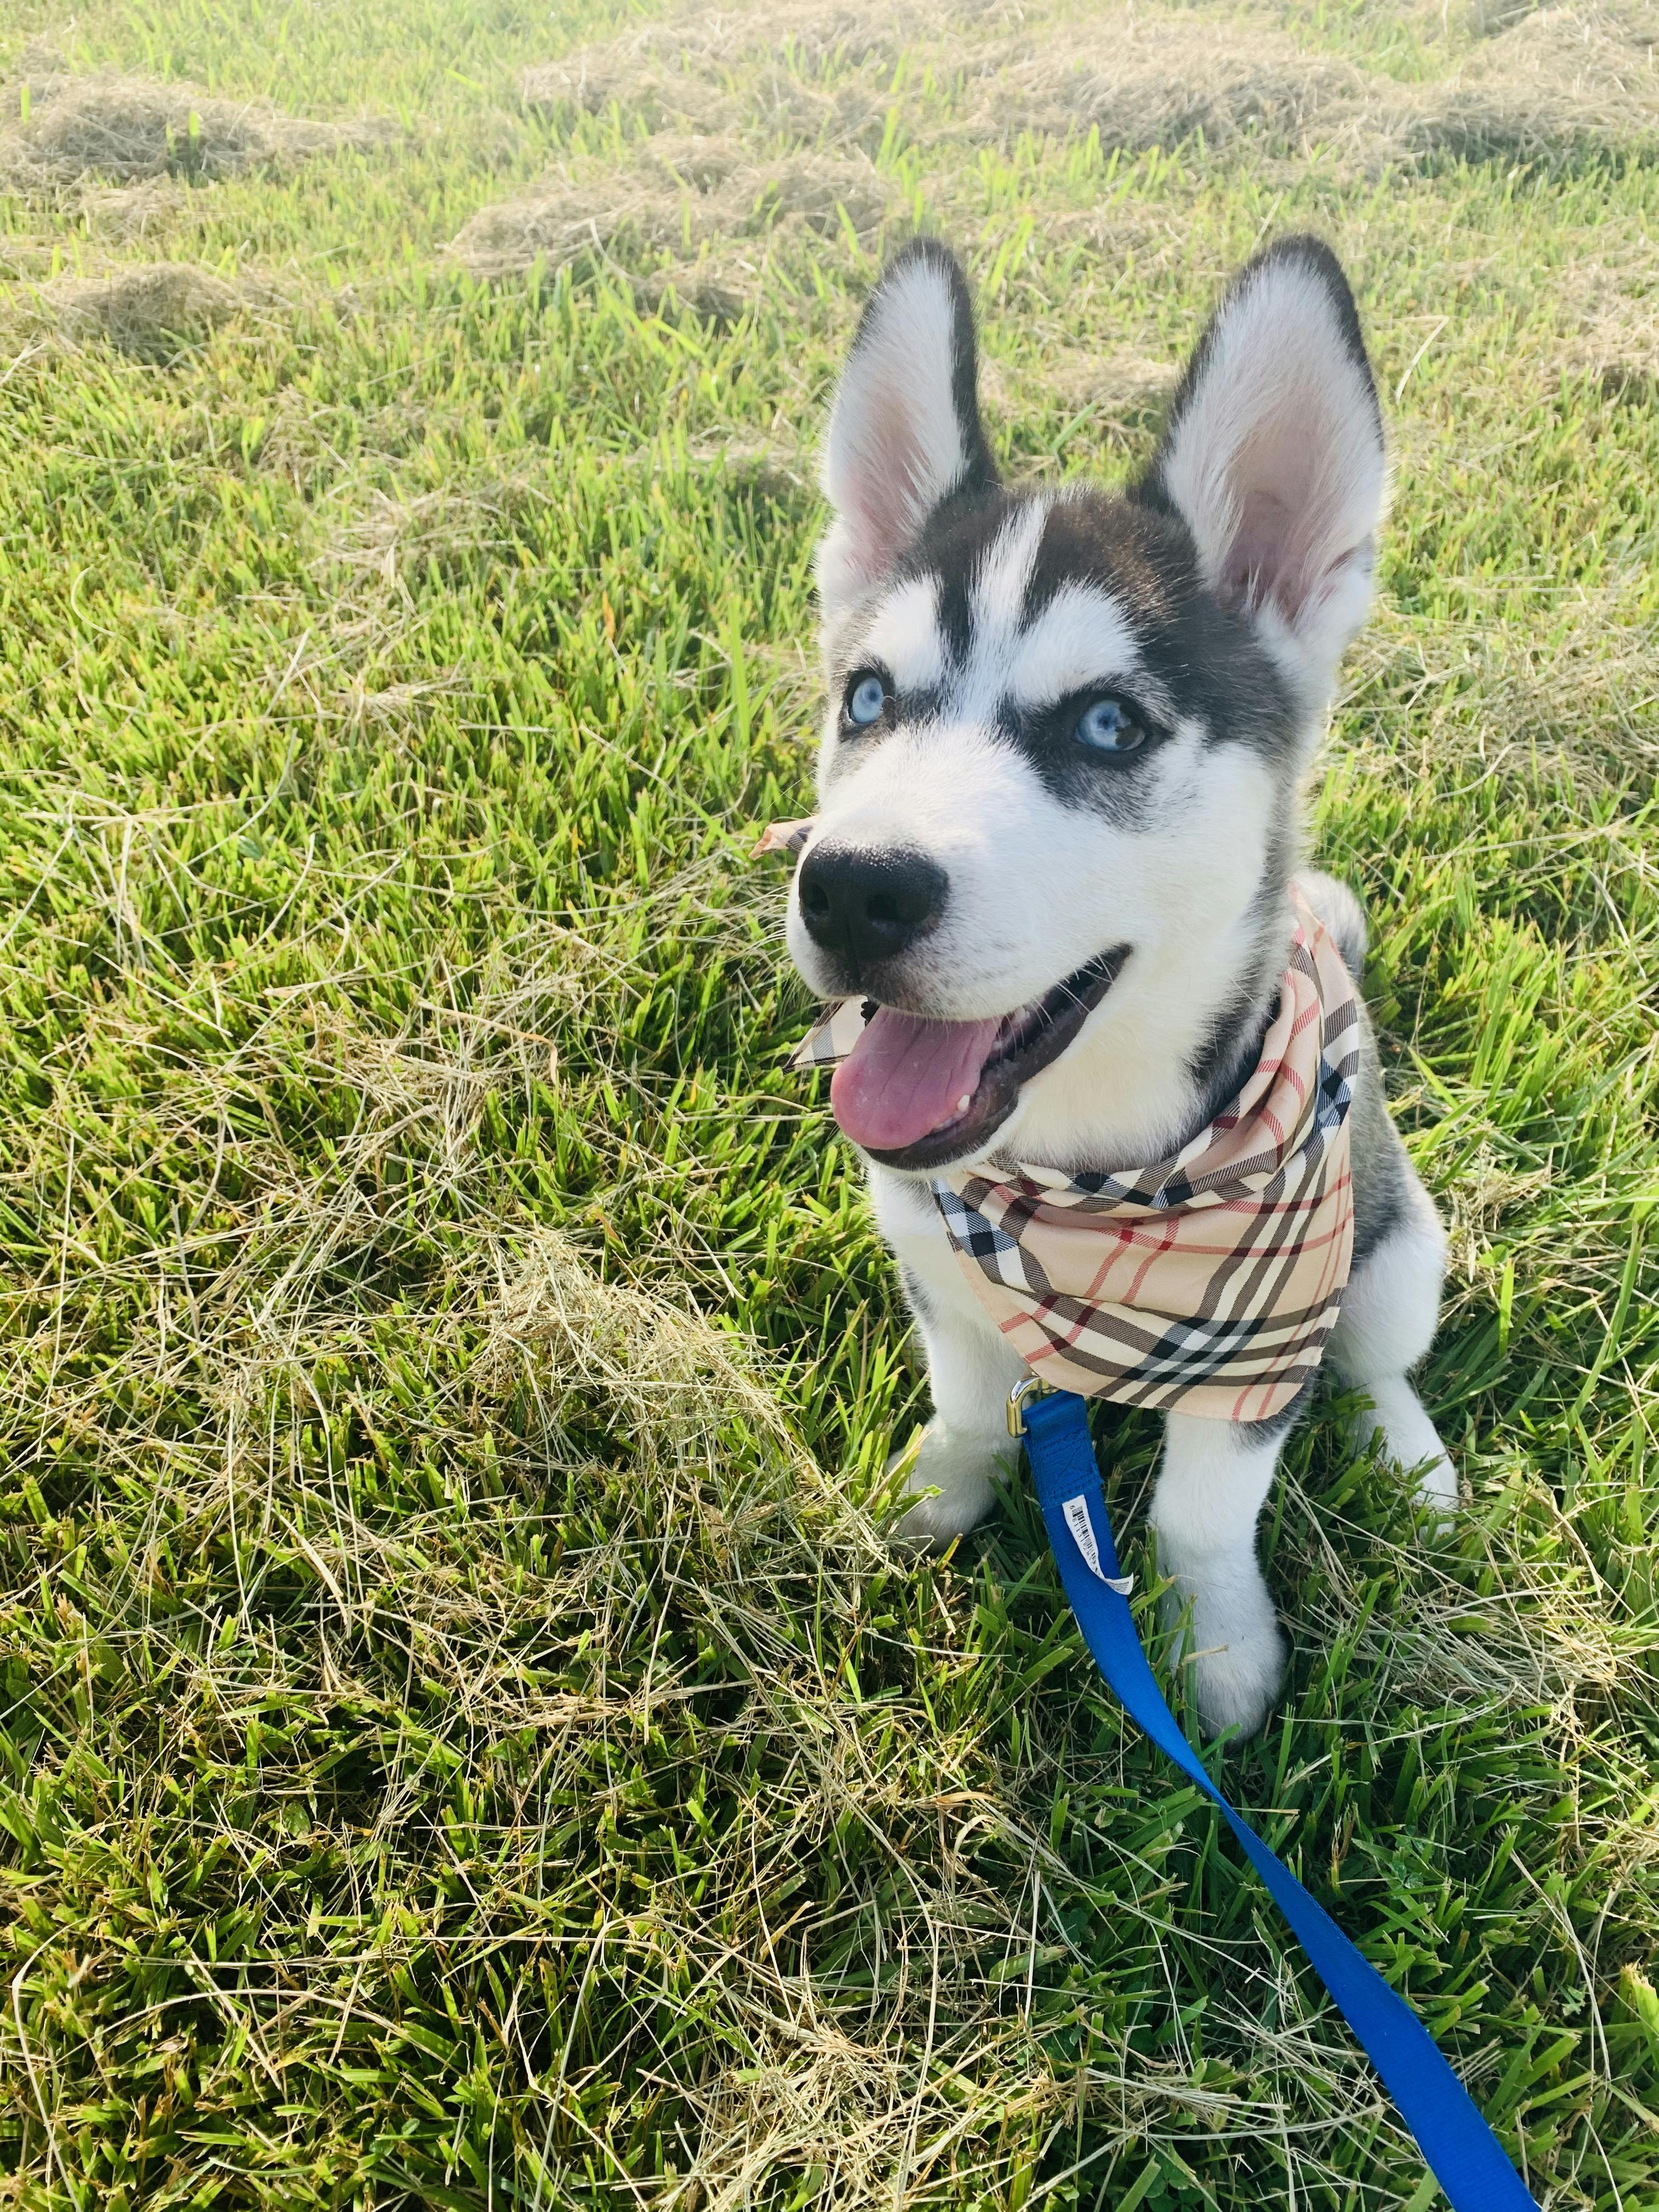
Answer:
(910, 1221)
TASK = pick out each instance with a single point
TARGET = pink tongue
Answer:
(906, 1077)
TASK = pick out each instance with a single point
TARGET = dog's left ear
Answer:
(1273, 459)
(904, 432)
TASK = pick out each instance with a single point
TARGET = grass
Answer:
(465, 1741)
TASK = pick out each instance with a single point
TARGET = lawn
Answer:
(466, 1742)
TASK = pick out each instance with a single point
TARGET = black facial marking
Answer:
(1205, 660)
(1092, 539)
(1196, 660)
(950, 548)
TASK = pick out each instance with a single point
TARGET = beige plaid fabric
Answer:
(1208, 1282)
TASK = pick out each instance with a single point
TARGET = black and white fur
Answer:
(1215, 597)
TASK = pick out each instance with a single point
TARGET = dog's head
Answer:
(1066, 730)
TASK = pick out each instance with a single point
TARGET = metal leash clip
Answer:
(1019, 1397)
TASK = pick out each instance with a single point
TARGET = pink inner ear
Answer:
(1274, 554)
(1252, 572)
(890, 463)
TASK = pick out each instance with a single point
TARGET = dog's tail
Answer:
(1341, 913)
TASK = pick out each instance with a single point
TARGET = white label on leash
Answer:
(1076, 1511)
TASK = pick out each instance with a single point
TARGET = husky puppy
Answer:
(1059, 816)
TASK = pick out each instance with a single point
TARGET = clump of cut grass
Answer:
(716, 288)
(130, 213)
(1536, 85)
(1557, 79)
(1580, 687)
(1538, 1638)
(1141, 79)
(152, 313)
(681, 70)
(1118, 385)
(676, 198)
(442, 532)
(122, 129)
(1610, 303)
(1147, 79)
(557, 219)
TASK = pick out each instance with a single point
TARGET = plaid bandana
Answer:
(1208, 1283)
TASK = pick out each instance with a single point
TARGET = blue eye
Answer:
(1108, 726)
(866, 697)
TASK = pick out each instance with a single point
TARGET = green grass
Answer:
(465, 1741)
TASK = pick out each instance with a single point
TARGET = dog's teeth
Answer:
(964, 1102)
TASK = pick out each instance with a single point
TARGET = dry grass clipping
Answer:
(1143, 79)
(1154, 81)
(126, 130)
(1560, 78)
(154, 313)
(1611, 309)
(680, 70)
(1582, 688)
(682, 195)
(129, 213)
(1542, 81)
(1119, 386)
(450, 528)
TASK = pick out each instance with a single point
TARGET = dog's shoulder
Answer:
(1382, 1180)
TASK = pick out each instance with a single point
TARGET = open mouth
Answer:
(915, 1093)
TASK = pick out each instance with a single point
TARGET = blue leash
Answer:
(1466, 2157)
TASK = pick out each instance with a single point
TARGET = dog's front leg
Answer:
(1211, 1485)
(970, 1368)
(970, 1371)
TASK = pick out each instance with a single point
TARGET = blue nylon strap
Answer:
(1464, 2154)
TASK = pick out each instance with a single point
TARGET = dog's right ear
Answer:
(904, 432)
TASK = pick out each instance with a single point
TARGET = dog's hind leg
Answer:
(1392, 1301)
(1212, 1484)
(1390, 1310)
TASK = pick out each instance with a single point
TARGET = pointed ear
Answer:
(904, 432)
(1274, 458)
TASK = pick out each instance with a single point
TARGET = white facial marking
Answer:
(904, 637)
(1082, 637)
(1039, 886)
(999, 593)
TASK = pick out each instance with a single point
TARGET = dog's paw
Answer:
(1395, 1425)
(962, 1469)
(1236, 1686)
(1233, 1653)
(1437, 1484)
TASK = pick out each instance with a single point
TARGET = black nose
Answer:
(868, 906)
